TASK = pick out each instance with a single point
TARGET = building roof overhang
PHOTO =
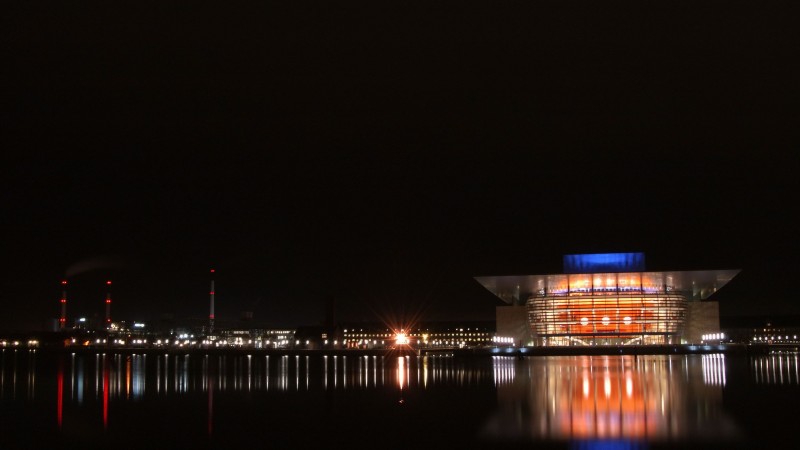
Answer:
(695, 284)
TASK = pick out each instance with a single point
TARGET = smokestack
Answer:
(62, 321)
(108, 304)
(211, 310)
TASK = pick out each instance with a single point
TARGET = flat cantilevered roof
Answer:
(695, 284)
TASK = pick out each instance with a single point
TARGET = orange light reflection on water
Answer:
(645, 398)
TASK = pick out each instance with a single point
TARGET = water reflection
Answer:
(402, 375)
(714, 369)
(620, 400)
(97, 381)
(776, 369)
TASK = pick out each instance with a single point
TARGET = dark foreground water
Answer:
(173, 401)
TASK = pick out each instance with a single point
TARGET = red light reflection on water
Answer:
(210, 400)
(106, 383)
(60, 384)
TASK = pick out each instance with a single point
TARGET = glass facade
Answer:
(606, 309)
(609, 299)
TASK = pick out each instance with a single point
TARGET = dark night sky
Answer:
(382, 153)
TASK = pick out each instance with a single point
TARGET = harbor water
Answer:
(168, 400)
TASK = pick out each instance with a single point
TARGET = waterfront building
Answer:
(608, 299)
(429, 335)
(276, 338)
(770, 334)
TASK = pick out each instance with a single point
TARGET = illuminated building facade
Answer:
(609, 299)
(433, 335)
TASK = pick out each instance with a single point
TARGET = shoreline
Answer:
(522, 352)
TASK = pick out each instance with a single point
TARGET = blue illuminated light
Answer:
(604, 262)
(611, 444)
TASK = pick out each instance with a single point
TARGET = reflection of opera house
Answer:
(608, 299)
(612, 399)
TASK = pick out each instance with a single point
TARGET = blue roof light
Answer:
(604, 262)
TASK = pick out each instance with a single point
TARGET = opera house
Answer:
(608, 299)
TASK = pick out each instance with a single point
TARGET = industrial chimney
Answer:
(108, 304)
(211, 310)
(62, 321)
